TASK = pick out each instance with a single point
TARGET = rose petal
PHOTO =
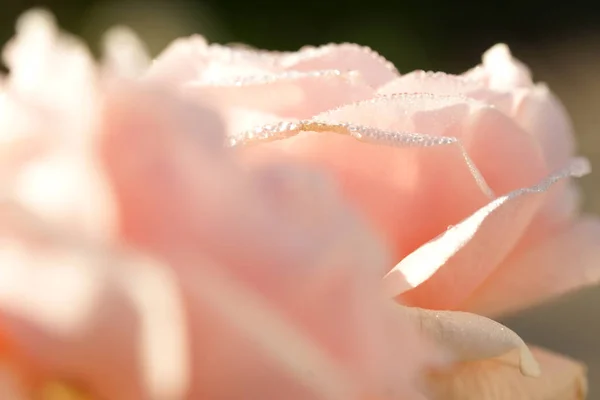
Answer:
(392, 184)
(297, 247)
(344, 57)
(500, 71)
(473, 337)
(239, 120)
(124, 54)
(181, 191)
(442, 84)
(561, 379)
(560, 209)
(565, 261)
(12, 385)
(51, 69)
(176, 124)
(443, 272)
(192, 59)
(164, 346)
(59, 337)
(56, 298)
(534, 108)
(490, 139)
(58, 186)
(321, 374)
(255, 336)
(290, 95)
(438, 83)
(421, 169)
(541, 114)
(52, 169)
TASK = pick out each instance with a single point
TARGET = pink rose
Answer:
(141, 260)
(144, 259)
(466, 178)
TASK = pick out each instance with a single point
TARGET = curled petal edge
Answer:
(471, 337)
(287, 129)
(424, 262)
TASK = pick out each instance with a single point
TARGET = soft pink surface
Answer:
(141, 260)
(143, 257)
(503, 133)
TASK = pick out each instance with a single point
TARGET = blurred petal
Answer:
(299, 252)
(57, 298)
(124, 53)
(11, 384)
(493, 379)
(51, 101)
(65, 187)
(500, 71)
(164, 345)
(563, 262)
(126, 303)
(162, 189)
(51, 69)
(443, 272)
(295, 366)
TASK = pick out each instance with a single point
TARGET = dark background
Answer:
(434, 34)
(560, 42)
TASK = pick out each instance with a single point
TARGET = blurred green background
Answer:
(560, 42)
